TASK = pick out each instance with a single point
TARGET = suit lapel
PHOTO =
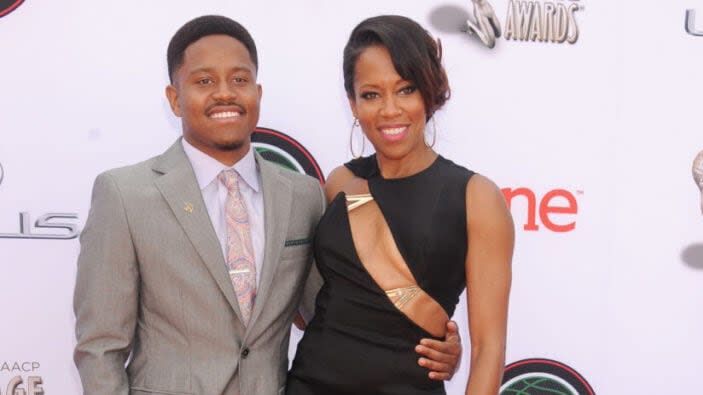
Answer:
(180, 190)
(277, 205)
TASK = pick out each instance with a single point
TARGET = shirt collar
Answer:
(207, 168)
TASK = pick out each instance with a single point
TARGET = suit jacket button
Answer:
(245, 353)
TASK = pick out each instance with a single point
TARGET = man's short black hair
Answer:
(200, 27)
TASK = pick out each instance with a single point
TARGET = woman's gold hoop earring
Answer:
(434, 135)
(351, 140)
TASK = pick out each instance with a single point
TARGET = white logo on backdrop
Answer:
(46, 223)
(485, 23)
(698, 174)
(690, 23)
(19, 385)
(544, 21)
(538, 21)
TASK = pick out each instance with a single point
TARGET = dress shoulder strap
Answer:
(364, 167)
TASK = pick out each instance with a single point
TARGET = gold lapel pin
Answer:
(188, 207)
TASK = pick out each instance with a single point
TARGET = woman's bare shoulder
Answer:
(337, 179)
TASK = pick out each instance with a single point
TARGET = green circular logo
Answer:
(286, 152)
(543, 377)
(7, 6)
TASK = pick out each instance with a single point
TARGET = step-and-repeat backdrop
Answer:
(586, 112)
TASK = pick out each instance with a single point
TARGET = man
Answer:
(195, 261)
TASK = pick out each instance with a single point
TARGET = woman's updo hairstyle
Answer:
(417, 57)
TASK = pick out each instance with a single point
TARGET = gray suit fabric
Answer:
(152, 285)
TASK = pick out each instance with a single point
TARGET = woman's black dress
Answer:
(358, 342)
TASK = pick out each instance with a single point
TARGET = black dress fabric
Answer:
(358, 342)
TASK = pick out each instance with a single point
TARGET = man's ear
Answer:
(172, 96)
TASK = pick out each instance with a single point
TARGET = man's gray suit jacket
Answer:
(152, 285)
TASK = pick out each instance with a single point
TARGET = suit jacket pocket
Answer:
(147, 391)
(299, 251)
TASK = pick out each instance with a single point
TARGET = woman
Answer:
(393, 244)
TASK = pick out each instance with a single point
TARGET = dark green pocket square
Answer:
(298, 242)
